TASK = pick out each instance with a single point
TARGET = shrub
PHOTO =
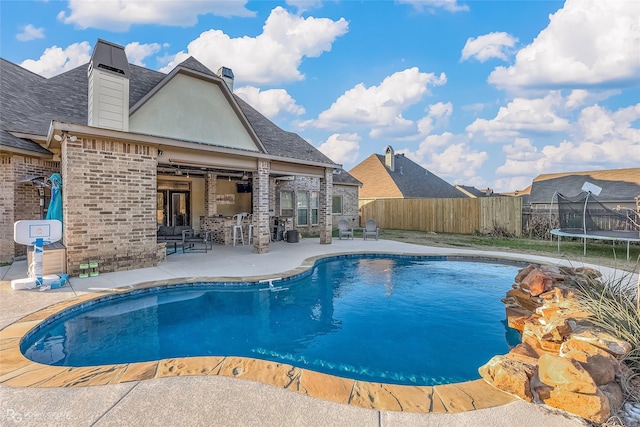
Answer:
(615, 308)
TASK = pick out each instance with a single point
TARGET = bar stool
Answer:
(250, 229)
(237, 229)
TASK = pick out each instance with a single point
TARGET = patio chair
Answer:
(370, 229)
(250, 229)
(237, 228)
(344, 229)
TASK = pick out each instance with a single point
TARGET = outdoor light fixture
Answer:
(160, 152)
(65, 134)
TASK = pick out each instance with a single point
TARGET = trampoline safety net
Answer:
(584, 214)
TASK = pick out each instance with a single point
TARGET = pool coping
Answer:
(18, 371)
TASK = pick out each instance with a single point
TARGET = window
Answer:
(315, 212)
(336, 205)
(303, 208)
(286, 203)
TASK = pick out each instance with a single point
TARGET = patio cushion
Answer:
(166, 232)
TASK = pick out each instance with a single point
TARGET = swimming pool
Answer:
(392, 319)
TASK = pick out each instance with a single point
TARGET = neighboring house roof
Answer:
(617, 184)
(342, 177)
(474, 192)
(407, 180)
(30, 102)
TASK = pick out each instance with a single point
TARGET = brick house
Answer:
(394, 176)
(137, 148)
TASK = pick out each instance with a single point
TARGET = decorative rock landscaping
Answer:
(563, 361)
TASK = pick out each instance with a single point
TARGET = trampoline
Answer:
(583, 216)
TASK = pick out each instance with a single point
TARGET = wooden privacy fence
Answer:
(461, 216)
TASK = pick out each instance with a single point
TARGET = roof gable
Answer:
(375, 178)
(195, 106)
(408, 180)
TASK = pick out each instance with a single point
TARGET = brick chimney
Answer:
(108, 75)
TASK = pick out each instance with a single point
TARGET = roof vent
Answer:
(401, 172)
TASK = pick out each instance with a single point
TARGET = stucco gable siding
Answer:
(192, 109)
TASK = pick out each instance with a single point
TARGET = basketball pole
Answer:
(38, 256)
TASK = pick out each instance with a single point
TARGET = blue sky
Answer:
(483, 93)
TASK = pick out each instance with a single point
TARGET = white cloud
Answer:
(432, 5)
(602, 139)
(273, 56)
(522, 117)
(503, 185)
(120, 15)
(437, 117)
(587, 43)
(29, 32)
(450, 157)
(492, 45)
(270, 102)
(380, 107)
(341, 147)
(611, 134)
(136, 52)
(457, 162)
(56, 60)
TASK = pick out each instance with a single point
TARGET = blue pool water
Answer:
(392, 319)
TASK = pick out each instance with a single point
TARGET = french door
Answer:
(173, 207)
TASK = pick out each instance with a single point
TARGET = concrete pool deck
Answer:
(159, 393)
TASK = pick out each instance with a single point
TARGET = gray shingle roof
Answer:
(473, 190)
(30, 102)
(617, 185)
(341, 176)
(277, 141)
(415, 181)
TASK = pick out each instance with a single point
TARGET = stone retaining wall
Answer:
(563, 361)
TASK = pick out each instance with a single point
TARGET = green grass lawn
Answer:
(607, 253)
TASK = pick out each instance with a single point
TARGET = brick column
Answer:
(326, 196)
(210, 189)
(109, 197)
(261, 226)
(7, 209)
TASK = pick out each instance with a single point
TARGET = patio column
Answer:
(326, 197)
(210, 190)
(261, 228)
